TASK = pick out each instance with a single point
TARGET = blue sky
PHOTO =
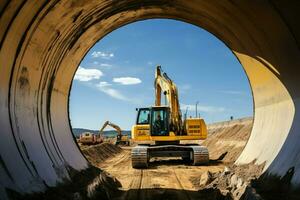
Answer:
(117, 74)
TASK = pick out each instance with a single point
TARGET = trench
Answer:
(42, 43)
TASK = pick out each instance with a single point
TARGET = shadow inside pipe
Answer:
(174, 194)
(275, 187)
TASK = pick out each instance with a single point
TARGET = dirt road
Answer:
(164, 179)
(167, 178)
(171, 178)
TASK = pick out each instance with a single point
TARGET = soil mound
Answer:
(99, 153)
(228, 139)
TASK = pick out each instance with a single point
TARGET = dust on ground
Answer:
(171, 178)
(161, 170)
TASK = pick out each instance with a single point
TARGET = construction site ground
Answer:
(171, 178)
(164, 179)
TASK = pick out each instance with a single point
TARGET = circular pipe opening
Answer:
(42, 43)
(97, 96)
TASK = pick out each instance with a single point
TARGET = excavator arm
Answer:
(108, 123)
(163, 84)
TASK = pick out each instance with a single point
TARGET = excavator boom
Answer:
(163, 84)
(121, 139)
(108, 123)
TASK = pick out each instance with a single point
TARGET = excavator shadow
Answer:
(168, 162)
(172, 194)
(180, 163)
(218, 161)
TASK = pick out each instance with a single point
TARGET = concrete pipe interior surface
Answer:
(42, 43)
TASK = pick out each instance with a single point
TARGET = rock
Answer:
(239, 183)
(205, 178)
(226, 170)
(250, 194)
(225, 192)
(103, 186)
(229, 188)
(239, 191)
(77, 196)
(233, 181)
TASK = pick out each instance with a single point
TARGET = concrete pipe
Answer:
(42, 42)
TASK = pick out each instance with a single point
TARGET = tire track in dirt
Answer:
(116, 161)
(170, 178)
(135, 186)
(162, 180)
(181, 186)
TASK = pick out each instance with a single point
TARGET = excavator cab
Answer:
(157, 118)
(143, 116)
(159, 121)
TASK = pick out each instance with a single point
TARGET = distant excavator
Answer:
(164, 126)
(120, 139)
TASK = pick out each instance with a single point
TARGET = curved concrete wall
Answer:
(42, 42)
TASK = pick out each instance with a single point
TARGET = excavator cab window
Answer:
(143, 116)
(159, 122)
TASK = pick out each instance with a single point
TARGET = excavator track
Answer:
(200, 155)
(139, 157)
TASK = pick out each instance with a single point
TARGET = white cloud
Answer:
(83, 74)
(149, 63)
(105, 65)
(127, 80)
(233, 92)
(103, 84)
(100, 54)
(105, 87)
(202, 108)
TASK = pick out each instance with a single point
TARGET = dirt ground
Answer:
(112, 176)
(171, 178)
(163, 179)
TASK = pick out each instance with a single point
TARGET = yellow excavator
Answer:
(163, 125)
(121, 139)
